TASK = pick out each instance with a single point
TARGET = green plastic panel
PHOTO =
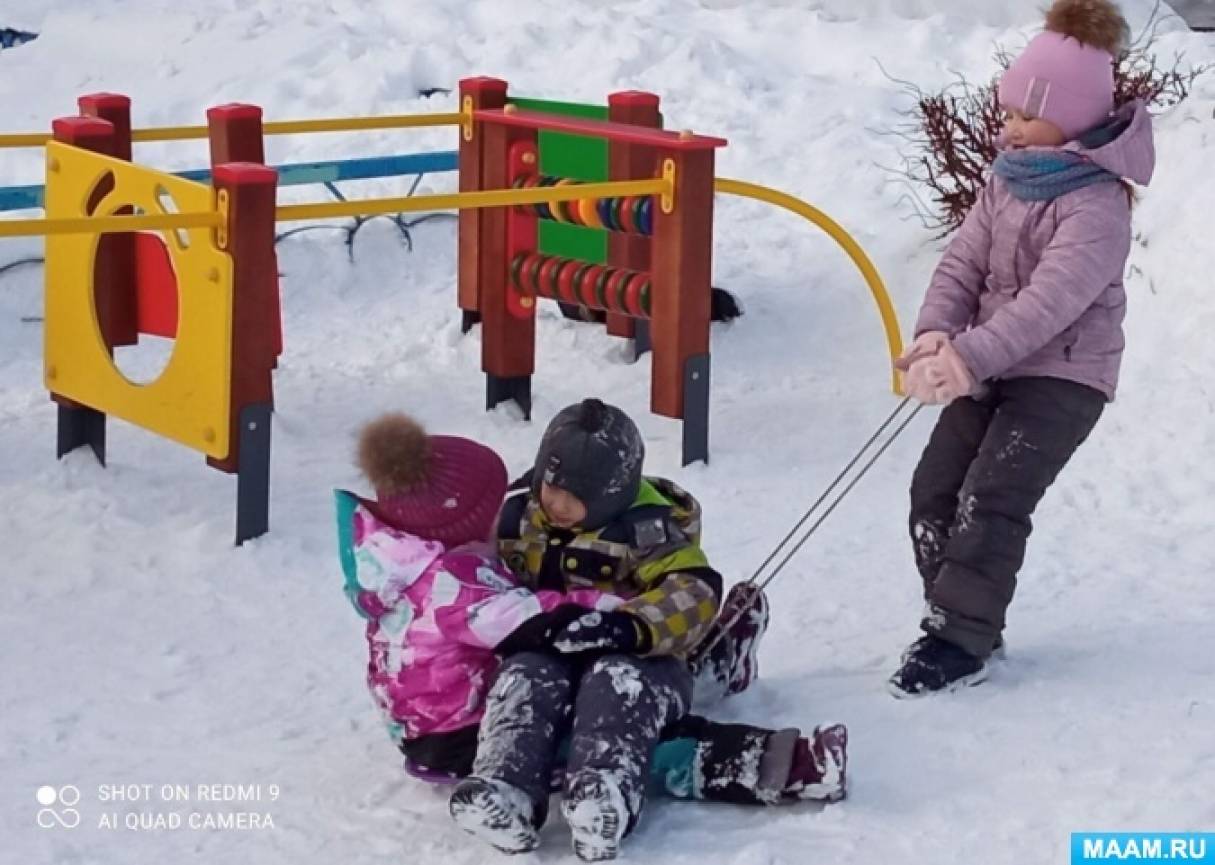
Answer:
(576, 156)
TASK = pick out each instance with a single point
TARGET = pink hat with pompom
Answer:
(1066, 73)
(441, 488)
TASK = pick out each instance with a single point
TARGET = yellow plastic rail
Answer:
(766, 194)
(352, 124)
(470, 200)
(24, 139)
(328, 210)
(106, 224)
(272, 127)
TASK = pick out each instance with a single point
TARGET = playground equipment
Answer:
(208, 280)
(131, 251)
(662, 276)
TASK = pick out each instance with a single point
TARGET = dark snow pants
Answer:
(987, 465)
(614, 709)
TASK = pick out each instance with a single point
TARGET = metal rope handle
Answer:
(756, 587)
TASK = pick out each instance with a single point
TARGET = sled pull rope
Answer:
(851, 484)
(754, 580)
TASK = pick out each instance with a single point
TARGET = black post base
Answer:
(696, 409)
(642, 342)
(253, 473)
(79, 426)
(499, 390)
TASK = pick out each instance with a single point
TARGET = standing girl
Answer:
(1020, 334)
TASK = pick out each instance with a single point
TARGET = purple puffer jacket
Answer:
(1034, 288)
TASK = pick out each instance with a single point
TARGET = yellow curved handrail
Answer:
(890, 321)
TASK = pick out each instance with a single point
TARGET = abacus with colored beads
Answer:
(595, 286)
(657, 276)
(632, 214)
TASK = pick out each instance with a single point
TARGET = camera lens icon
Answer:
(67, 816)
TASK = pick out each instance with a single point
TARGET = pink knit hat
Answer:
(1066, 73)
(440, 488)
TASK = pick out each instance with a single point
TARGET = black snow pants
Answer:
(614, 709)
(987, 465)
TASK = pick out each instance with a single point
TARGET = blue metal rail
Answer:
(291, 174)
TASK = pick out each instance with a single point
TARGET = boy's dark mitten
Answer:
(604, 632)
(538, 632)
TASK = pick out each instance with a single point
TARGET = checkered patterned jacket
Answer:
(650, 556)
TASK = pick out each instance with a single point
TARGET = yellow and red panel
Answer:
(190, 401)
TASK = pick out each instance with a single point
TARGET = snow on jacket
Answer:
(1034, 288)
(434, 617)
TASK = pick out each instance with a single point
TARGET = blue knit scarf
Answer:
(1041, 175)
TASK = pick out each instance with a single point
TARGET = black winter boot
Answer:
(931, 664)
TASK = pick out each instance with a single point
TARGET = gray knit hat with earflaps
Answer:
(593, 451)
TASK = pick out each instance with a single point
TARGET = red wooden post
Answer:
(682, 255)
(87, 133)
(115, 108)
(234, 132)
(508, 342)
(250, 191)
(629, 162)
(114, 267)
(78, 424)
(475, 94)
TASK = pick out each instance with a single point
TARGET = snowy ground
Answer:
(139, 647)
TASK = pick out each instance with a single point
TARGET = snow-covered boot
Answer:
(598, 816)
(931, 664)
(497, 813)
(820, 765)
